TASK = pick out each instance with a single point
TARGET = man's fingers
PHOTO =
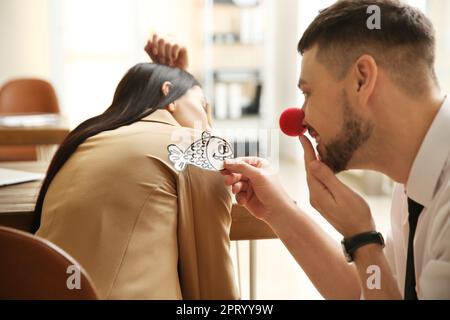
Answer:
(254, 161)
(319, 196)
(239, 187)
(308, 149)
(245, 166)
(234, 178)
(242, 198)
(325, 176)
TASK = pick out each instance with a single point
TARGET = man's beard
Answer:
(354, 133)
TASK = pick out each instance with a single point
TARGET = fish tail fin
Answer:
(176, 157)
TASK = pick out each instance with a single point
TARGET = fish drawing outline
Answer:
(207, 153)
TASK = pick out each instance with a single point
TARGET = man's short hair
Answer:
(404, 45)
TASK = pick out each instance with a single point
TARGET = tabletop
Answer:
(32, 133)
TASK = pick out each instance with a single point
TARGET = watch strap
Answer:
(350, 245)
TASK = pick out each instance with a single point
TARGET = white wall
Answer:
(96, 42)
(24, 39)
(282, 69)
(439, 11)
(84, 47)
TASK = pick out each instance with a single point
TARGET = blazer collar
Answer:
(161, 116)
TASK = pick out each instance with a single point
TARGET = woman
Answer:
(112, 199)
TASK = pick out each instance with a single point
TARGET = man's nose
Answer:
(305, 122)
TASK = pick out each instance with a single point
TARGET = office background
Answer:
(244, 54)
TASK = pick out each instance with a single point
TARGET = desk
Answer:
(44, 137)
(50, 132)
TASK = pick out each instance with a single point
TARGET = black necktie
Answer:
(414, 209)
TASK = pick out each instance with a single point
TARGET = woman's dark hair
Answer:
(138, 95)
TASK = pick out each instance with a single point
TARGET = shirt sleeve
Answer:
(389, 254)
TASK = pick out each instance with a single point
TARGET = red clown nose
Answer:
(291, 122)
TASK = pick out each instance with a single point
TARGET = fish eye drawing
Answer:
(209, 153)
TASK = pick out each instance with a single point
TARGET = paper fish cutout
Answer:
(208, 153)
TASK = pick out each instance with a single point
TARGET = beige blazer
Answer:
(141, 229)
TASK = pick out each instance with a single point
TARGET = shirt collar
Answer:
(162, 116)
(431, 158)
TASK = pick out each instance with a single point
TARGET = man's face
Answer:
(330, 116)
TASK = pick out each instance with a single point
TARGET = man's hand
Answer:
(163, 52)
(256, 186)
(344, 209)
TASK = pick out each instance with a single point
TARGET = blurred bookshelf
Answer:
(234, 48)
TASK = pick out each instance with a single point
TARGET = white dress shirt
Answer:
(429, 185)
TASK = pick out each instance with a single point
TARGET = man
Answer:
(372, 101)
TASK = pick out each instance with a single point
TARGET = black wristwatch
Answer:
(350, 245)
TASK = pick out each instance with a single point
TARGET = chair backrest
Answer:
(25, 96)
(28, 96)
(34, 268)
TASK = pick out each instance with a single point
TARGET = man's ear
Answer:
(366, 71)
(165, 88)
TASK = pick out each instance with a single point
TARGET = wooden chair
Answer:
(22, 96)
(34, 269)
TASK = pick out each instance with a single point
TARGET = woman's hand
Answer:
(166, 53)
(344, 209)
(256, 187)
